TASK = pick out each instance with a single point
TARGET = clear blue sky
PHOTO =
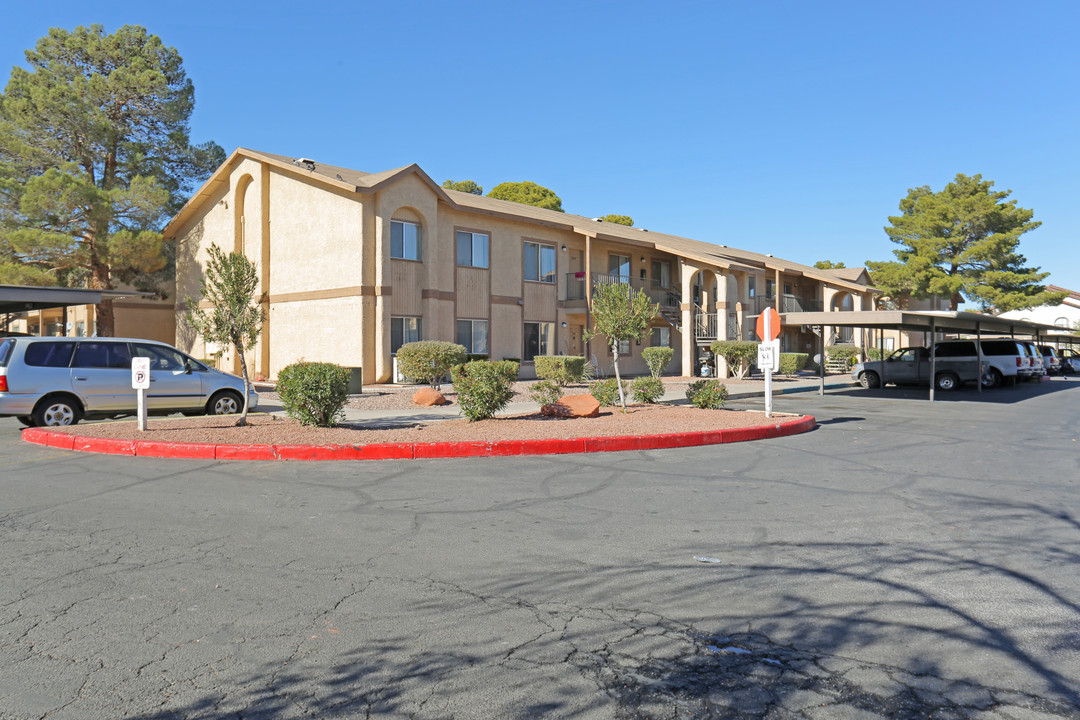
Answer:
(786, 127)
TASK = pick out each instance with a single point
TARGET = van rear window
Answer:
(955, 349)
(1000, 347)
(5, 351)
(49, 354)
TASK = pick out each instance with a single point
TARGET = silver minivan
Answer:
(52, 381)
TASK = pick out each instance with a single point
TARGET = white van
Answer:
(1004, 359)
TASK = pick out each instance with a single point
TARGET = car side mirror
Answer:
(187, 367)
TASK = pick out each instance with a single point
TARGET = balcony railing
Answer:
(705, 325)
(666, 297)
(785, 304)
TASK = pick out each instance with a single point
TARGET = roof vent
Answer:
(644, 229)
(599, 219)
(305, 162)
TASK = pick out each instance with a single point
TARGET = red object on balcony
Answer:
(579, 274)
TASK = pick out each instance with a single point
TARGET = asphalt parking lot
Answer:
(904, 560)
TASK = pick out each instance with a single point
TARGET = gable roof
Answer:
(720, 256)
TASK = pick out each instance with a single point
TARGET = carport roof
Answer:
(20, 298)
(960, 322)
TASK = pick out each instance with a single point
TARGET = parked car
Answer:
(54, 381)
(1051, 361)
(1036, 369)
(1004, 359)
(911, 366)
(1070, 361)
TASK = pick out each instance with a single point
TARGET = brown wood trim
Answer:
(328, 294)
(506, 300)
(448, 295)
(383, 291)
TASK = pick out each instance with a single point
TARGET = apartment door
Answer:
(574, 346)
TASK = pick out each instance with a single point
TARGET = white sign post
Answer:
(140, 380)
(768, 360)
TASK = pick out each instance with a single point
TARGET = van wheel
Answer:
(57, 411)
(225, 402)
(947, 381)
(991, 378)
(869, 379)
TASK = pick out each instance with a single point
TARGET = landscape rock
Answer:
(584, 406)
(427, 397)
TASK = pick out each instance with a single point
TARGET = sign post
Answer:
(140, 380)
(768, 329)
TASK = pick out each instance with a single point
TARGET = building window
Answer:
(539, 339)
(624, 347)
(661, 337)
(472, 249)
(770, 288)
(661, 273)
(405, 242)
(619, 268)
(539, 262)
(752, 286)
(473, 335)
(404, 330)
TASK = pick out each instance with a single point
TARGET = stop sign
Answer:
(774, 322)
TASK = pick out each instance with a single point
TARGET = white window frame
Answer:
(538, 251)
(419, 330)
(474, 325)
(417, 241)
(475, 240)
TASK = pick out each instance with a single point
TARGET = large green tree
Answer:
(94, 157)
(962, 243)
(468, 186)
(527, 193)
(619, 220)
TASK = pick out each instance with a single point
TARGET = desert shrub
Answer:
(314, 393)
(791, 363)
(482, 389)
(560, 369)
(739, 354)
(846, 354)
(647, 389)
(707, 394)
(873, 353)
(545, 392)
(428, 361)
(606, 391)
(508, 369)
(473, 357)
(657, 358)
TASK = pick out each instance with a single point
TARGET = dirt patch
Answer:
(274, 430)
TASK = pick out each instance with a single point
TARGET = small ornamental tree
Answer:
(739, 354)
(619, 314)
(233, 318)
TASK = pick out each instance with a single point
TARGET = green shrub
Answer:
(560, 369)
(314, 393)
(873, 353)
(545, 392)
(739, 354)
(791, 363)
(429, 361)
(482, 389)
(647, 389)
(707, 394)
(508, 369)
(657, 358)
(847, 354)
(606, 391)
(473, 357)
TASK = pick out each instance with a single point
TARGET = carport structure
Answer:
(22, 298)
(961, 323)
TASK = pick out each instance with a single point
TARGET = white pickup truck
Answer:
(911, 366)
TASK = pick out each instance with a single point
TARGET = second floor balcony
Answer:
(665, 297)
(784, 304)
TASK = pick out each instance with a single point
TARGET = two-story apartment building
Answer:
(354, 264)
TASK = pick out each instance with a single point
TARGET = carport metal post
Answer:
(821, 359)
(933, 359)
(978, 355)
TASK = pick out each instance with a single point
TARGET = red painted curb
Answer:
(408, 451)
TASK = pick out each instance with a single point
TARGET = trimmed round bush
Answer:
(545, 392)
(791, 363)
(482, 389)
(560, 369)
(739, 354)
(657, 358)
(647, 389)
(606, 391)
(314, 393)
(508, 369)
(707, 394)
(847, 354)
(429, 361)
